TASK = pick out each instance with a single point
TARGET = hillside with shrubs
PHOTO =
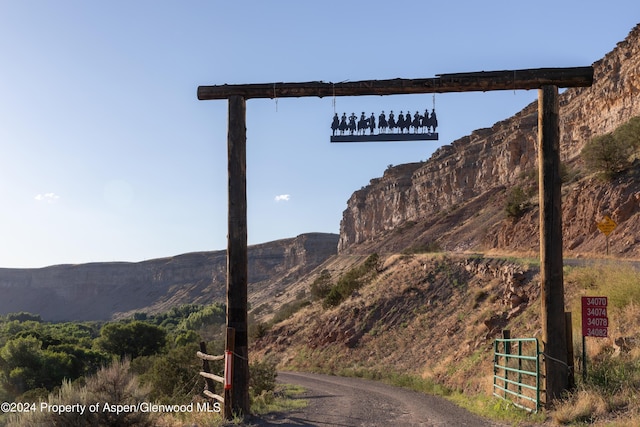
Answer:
(426, 318)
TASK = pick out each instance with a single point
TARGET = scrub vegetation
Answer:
(148, 358)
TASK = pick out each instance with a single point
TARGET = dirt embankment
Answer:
(422, 314)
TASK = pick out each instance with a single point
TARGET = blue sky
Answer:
(107, 155)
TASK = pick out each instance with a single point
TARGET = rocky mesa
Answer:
(102, 291)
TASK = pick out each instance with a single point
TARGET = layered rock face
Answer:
(494, 158)
(101, 291)
(584, 205)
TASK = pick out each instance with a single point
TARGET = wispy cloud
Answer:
(282, 198)
(47, 197)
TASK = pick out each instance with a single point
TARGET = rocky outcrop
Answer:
(584, 205)
(515, 282)
(101, 291)
(496, 157)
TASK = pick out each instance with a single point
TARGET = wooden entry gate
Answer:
(546, 80)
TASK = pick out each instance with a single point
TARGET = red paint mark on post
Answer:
(228, 364)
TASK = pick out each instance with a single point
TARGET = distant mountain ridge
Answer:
(102, 291)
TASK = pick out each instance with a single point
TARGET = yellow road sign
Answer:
(607, 225)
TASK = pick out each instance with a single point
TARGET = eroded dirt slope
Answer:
(421, 314)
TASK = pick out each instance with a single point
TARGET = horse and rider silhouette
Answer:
(426, 123)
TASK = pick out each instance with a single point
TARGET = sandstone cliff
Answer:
(469, 177)
(101, 291)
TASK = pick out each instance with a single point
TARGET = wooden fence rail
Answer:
(212, 377)
(204, 356)
(207, 375)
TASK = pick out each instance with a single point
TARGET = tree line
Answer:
(37, 356)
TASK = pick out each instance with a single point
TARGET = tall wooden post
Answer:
(237, 251)
(551, 277)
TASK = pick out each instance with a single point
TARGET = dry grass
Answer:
(583, 406)
(619, 281)
(199, 419)
(113, 385)
(609, 396)
(118, 385)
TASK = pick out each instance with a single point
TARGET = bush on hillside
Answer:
(289, 309)
(629, 133)
(351, 281)
(321, 285)
(613, 152)
(517, 202)
(423, 248)
(262, 377)
(605, 155)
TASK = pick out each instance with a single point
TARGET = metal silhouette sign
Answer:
(404, 127)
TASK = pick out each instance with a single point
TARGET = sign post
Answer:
(606, 226)
(595, 323)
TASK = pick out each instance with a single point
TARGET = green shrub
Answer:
(333, 298)
(423, 248)
(321, 285)
(26, 365)
(170, 377)
(289, 309)
(609, 374)
(258, 330)
(517, 202)
(208, 315)
(24, 316)
(262, 377)
(131, 339)
(351, 281)
(371, 263)
(613, 152)
(629, 133)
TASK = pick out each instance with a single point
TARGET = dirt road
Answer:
(338, 401)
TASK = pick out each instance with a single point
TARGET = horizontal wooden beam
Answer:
(481, 81)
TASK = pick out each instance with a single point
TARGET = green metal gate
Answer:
(516, 372)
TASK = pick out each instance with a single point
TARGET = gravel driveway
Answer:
(340, 401)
